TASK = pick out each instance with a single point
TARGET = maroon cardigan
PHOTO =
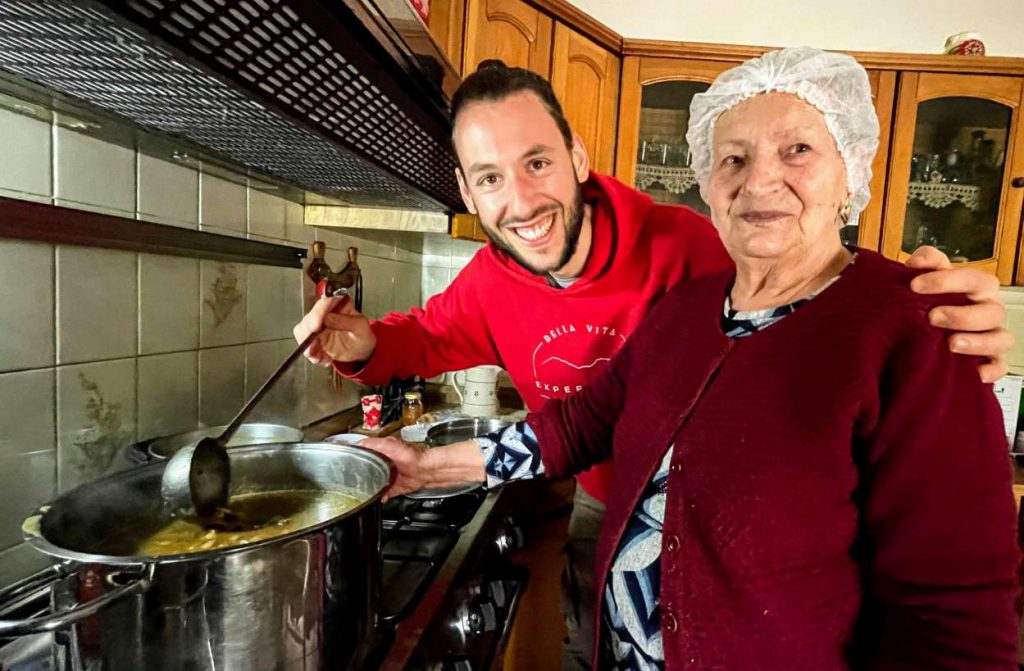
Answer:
(839, 494)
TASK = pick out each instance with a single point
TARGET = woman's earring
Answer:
(845, 212)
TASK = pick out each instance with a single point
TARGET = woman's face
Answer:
(777, 180)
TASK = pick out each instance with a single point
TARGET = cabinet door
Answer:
(447, 23)
(585, 77)
(509, 30)
(867, 231)
(956, 153)
(653, 115)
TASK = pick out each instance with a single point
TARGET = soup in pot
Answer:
(253, 517)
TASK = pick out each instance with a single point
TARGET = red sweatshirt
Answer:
(839, 494)
(552, 341)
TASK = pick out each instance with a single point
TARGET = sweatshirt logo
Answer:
(569, 355)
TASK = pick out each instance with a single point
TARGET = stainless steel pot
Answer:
(164, 447)
(456, 431)
(305, 601)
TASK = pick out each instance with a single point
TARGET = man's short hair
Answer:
(493, 81)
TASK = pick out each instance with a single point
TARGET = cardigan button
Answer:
(672, 544)
(676, 467)
(669, 623)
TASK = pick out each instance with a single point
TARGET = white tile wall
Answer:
(221, 384)
(282, 404)
(93, 173)
(273, 303)
(437, 250)
(26, 167)
(28, 455)
(295, 228)
(266, 216)
(223, 297)
(435, 280)
(96, 419)
(168, 192)
(408, 287)
(96, 304)
(26, 303)
(168, 394)
(223, 206)
(168, 304)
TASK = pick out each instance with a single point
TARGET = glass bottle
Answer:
(412, 408)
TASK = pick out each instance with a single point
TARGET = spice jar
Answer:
(412, 408)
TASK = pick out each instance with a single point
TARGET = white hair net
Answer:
(834, 84)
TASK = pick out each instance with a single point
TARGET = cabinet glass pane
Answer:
(956, 177)
(662, 161)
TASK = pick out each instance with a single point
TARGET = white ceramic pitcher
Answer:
(477, 389)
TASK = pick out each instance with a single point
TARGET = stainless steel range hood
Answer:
(348, 99)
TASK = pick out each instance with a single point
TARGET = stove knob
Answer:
(497, 593)
(482, 618)
(508, 539)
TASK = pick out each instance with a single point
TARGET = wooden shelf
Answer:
(40, 222)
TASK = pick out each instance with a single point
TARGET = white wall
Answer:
(867, 25)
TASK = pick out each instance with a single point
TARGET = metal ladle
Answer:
(201, 474)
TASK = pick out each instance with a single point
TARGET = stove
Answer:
(448, 597)
(447, 594)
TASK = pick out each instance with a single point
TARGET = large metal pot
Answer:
(165, 447)
(305, 601)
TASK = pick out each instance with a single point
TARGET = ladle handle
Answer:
(262, 391)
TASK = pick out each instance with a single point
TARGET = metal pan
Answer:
(247, 434)
(456, 431)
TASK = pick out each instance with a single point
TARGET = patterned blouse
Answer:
(630, 617)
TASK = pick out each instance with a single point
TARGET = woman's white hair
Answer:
(834, 84)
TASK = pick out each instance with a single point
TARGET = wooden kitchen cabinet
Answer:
(509, 30)
(585, 77)
(956, 178)
(653, 116)
(468, 227)
(447, 25)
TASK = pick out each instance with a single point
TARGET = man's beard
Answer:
(573, 226)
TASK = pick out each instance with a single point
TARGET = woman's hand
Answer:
(978, 328)
(408, 461)
(420, 467)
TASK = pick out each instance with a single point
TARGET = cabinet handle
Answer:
(1017, 182)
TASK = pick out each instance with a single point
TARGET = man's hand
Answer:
(978, 328)
(345, 335)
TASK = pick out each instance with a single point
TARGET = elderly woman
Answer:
(806, 478)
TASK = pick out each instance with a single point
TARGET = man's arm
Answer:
(450, 333)
(938, 516)
(977, 327)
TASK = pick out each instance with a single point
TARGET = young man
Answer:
(575, 261)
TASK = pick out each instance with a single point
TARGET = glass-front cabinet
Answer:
(662, 155)
(653, 116)
(956, 178)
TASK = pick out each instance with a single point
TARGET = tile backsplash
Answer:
(100, 348)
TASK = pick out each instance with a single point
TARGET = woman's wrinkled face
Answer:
(777, 180)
